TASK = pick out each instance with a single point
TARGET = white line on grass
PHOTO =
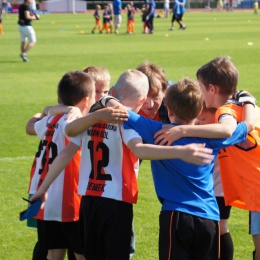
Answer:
(19, 158)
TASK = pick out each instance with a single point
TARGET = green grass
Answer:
(27, 87)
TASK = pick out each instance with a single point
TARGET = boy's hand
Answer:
(167, 135)
(197, 154)
(113, 115)
(40, 195)
(73, 113)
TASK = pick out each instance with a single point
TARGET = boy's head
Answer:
(98, 7)
(102, 78)
(106, 7)
(184, 100)
(128, 6)
(131, 89)
(207, 115)
(76, 86)
(157, 86)
(220, 74)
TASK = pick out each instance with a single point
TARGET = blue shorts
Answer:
(254, 223)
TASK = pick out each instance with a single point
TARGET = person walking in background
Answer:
(117, 6)
(255, 7)
(151, 12)
(106, 19)
(97, 18)
(1, 25)
(166, 8)
(182, 4)
(25, 28)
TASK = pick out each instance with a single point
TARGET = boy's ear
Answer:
(214, 89)
(170, 112)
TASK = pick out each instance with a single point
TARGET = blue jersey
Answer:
(106, 17)
(96, 15)
(130, 15)
(117, 5)
(182, 186)
(176, 7)
(151, 6)
(182, 7)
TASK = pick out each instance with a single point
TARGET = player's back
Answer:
(108, 168)
(64, 201)
(240, 164)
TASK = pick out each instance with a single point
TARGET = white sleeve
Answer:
(226, 116)
(129, 134)
(40, 127)
(77, 139)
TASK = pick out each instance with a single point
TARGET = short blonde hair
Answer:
(98, 73)
(185, 99)
(132, 85)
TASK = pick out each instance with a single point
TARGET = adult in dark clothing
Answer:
(25, 28)
(151, 13)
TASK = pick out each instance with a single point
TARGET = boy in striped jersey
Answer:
(108, 173)
(58, 224)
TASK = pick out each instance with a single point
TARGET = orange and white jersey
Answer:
(240, 164)
(63, 200)
(108, 168)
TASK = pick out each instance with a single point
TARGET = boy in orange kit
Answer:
(98, 22)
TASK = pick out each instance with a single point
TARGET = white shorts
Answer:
(254, 227)
(27, 32)
(117, 20)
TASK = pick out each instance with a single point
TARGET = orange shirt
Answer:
(240, 164)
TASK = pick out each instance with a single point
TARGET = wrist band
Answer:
(103, 101)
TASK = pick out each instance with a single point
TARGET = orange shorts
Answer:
(98, 22)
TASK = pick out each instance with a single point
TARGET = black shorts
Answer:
(224, 210)
(59, 235)
(107, 226)
(186, 237)
(175, 17)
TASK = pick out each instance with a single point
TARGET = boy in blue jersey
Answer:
(117, 7)
(189, 217)
(176, 15)
(182, 4)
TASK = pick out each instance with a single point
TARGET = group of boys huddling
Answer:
(89, 206)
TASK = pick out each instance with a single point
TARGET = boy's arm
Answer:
(30, 124)
(60, 162)
(73, 112)
(192, 153)
(249, 116)
(108, 115)
(168, 134)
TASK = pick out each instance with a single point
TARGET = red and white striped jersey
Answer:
(63, 200)
(108, 168)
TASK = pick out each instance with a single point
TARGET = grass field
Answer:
(26, 88)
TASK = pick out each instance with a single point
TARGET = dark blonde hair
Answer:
(74, 86)
(152, 71)
(184, 99)
(98, 73)
(220, 72)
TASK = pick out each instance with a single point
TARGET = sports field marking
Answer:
(19, 158)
